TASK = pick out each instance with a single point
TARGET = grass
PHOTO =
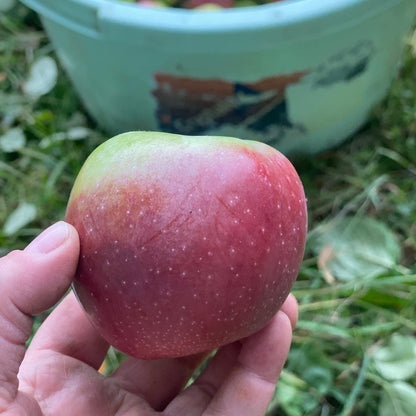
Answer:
(355, 344)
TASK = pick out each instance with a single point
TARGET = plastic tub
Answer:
(301, 75)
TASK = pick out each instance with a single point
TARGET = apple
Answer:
(208, 7)
(207, 4)
(187, 243)
(151, 3)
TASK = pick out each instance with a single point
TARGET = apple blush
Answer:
(187, 243)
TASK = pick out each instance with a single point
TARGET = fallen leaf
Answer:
(42, 77)
(397, 360)
(13, 140)
(361, 247)
(19, 218)
(398, 399)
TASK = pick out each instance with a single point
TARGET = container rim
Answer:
(284, 13)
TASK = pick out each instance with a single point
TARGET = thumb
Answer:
(31, 281)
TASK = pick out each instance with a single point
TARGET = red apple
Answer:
(151, 3)
(198, 4)
(187, 243)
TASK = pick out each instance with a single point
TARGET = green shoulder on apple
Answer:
(187, 243)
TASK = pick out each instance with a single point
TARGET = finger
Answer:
(68, 331)
(31, 281)
(157, 381)
(290, 308)
(194, 400)
(249, 388)
(197, 397)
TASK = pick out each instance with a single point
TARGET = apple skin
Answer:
(187, 243)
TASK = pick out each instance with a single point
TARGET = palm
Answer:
(71, 387)
(60, 371)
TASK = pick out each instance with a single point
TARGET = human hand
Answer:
(58, 373)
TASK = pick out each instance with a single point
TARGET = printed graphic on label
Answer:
(194, 106)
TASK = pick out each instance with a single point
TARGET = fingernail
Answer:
(50, 239)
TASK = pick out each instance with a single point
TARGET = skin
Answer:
(58, 373)
(187, 243)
